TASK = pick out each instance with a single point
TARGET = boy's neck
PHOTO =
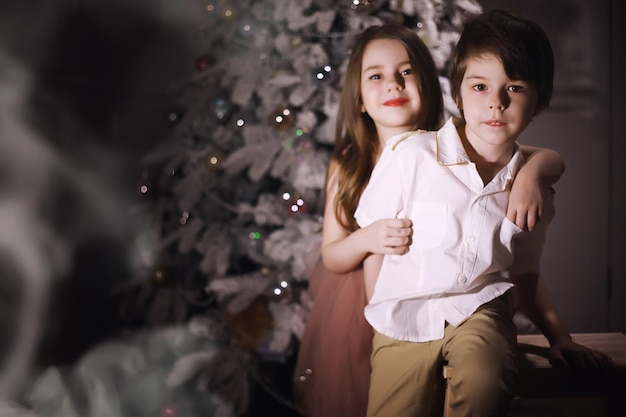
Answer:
(487, 170)
(489, 159)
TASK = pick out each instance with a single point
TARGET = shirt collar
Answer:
(450, 151)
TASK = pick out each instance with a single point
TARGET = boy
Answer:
(451, 297)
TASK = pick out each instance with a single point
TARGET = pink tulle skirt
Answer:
(333, 368)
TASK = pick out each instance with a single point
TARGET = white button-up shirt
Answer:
(463, 245)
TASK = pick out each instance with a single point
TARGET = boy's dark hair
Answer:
(520, 44)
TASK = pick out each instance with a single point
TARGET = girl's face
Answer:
(389, 88)
(496, 109)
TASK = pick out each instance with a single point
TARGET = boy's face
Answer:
(496, 109)
(389, 88)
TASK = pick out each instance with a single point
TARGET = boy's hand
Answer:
(388, 236)
(525, 203)
(570, 355)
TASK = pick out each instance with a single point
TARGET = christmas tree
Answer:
(234, 197)
(236, 193)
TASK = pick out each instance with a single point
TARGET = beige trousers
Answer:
(406, 379)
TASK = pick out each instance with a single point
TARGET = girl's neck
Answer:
(385, 134)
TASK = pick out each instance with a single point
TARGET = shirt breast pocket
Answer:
(429, 224)
(508, 232)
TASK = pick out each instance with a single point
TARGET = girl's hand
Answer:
(388, 236)
(525, 202)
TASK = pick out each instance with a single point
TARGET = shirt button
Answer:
(471, 238)
(463, 280)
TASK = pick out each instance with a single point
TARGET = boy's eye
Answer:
(375, 77)
(516, 88)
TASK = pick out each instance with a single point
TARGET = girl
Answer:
(390, 72)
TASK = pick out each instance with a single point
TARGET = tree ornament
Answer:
(161, 276)
(294, 203)
(301, 131)
(246, 27)
(254, 246)
(254, 236)
(303, 143)
(214, 159)
(175, 114)
(146, 185)
(367, 6)
(296, 41)
(221, 110)
(225, 10)
(282, 290)
(362, 6)
(168, 410)
(203, 62)
(250, 325)
(184, 217)
(243, 118)
(282, 118)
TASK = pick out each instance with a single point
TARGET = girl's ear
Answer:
(362, 105)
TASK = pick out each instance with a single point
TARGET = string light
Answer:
(325, 74)
(282, 119)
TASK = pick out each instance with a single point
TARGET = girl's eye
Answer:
(408, 71)
(375, 77)
(479, 87)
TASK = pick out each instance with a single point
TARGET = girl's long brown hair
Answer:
(356, 141)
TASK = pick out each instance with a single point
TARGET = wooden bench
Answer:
(538, 380)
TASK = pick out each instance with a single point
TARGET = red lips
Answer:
(396, 102)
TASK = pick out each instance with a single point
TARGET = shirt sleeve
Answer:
(528, 247)
(384, 194)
